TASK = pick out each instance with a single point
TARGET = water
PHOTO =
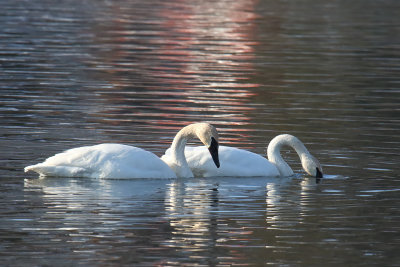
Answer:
(75, 73)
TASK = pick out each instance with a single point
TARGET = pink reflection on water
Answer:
(186, 62)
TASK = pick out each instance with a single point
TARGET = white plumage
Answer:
(243, 163)
(234, 162)
(122, 162)
(104, 161)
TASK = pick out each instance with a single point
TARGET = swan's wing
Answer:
(75, 162)
(58, 171)
(234, 162)
(104, 161)
(89, 157)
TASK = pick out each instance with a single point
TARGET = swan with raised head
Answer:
(243, 163)
(122, 161)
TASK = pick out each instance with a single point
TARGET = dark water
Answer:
(85, 72)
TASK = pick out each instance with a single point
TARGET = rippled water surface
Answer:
(77, 73)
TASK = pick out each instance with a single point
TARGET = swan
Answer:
(239, 162)
(122, 161)
(176, 159)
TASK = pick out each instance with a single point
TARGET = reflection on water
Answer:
(189, 207)
(184, 63)
(145, 220)
(78, 73)
(196, 216)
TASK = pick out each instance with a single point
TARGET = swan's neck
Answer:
(178, 151)
(274, 152)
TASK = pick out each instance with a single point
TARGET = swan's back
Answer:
(104, 161)
(234, 162)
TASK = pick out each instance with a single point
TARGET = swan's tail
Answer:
(61, 171)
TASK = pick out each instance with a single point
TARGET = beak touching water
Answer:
(213, 148)
(319, 174)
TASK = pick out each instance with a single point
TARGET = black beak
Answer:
(319, 174)
(214, 151)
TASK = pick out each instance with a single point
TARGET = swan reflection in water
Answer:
(96, 205)
(190, 208)
(287, 205)
(190, 214)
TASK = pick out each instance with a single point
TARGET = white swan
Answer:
(176, 157)
(239, 162)
(122, 161)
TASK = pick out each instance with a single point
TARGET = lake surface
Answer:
(77, 73)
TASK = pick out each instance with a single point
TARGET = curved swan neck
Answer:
(274, 152)
(179, 143)
(178, 151)
(206, 133)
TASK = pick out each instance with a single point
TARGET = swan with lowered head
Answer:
(239, 162)
(121, 161)
(176, 159)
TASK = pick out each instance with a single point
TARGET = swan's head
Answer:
(311, 165)
(208, 135)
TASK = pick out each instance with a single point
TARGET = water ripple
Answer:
(75, 73)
